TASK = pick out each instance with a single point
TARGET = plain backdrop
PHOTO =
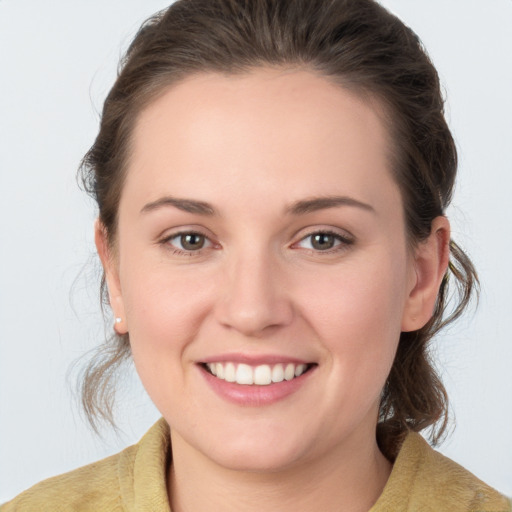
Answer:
(57, 62)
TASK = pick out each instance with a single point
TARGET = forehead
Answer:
(270, 129)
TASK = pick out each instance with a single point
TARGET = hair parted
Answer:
(362, 47)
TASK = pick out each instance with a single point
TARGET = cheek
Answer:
(164, 311)
(357, 313)
(357, 295)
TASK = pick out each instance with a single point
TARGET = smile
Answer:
(261, 375)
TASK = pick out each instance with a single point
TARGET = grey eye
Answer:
(192, 241)
(323, 241)
(188, 242)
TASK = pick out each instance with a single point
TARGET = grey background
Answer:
(57, 61)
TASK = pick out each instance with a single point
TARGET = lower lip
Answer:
(252, 395)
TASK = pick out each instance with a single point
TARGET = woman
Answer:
(272, 180)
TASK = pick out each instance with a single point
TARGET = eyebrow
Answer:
(301, 207)
(186, 205)
(321, 203)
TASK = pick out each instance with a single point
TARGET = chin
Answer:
(263, 449)
(260, 458)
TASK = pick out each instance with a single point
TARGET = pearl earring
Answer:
(118, 320)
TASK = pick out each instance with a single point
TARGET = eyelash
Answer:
(184, 252)
(343, 242)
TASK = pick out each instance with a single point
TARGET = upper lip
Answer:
(254, 359)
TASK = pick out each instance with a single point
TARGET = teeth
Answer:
(229, 372)
(278, 373)
(289, 371)
(244, 374)
(300, 369)
(261, 375)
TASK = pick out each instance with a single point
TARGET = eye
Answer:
(324, 241)
(188, 242)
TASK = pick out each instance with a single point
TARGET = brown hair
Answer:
(356, 43)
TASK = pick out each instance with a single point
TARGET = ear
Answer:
(431, 259)
(110, 268)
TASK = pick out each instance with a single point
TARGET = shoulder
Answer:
(107, 485)
(92, 487)
(426, 480)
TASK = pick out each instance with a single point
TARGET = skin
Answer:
(252, 146)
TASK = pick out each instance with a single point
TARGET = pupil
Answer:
(192, 241)
(323, 241)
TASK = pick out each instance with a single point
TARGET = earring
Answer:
(118, 320)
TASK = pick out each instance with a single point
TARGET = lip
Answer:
(252, 395)
(254, 359)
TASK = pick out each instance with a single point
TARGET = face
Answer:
(262, 268)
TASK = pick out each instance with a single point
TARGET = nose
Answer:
(253, 297)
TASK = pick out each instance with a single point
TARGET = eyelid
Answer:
(331, 230)
(344, 238)
(166, 238)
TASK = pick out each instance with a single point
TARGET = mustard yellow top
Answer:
(422, 480)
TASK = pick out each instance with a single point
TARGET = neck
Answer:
(348, 479)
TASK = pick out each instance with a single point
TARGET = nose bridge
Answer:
(253, 298)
